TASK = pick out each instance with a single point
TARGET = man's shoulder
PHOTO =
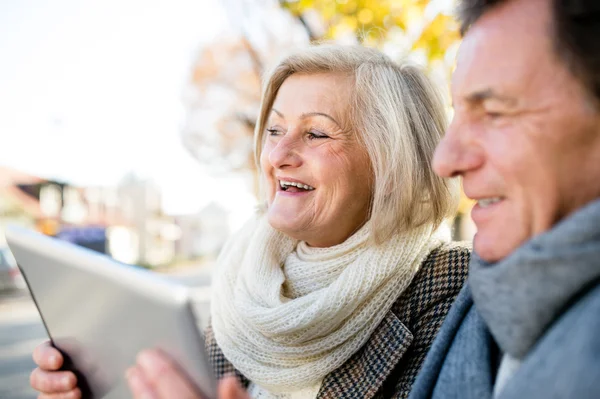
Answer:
(580, 323)
(565, 362)
(578, 326)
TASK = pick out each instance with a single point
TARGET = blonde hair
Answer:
(399, 117)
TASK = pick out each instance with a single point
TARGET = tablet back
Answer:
(101, 313)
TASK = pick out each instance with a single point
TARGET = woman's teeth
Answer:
(488, 201)
(286, 184)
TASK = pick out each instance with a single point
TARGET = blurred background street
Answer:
(20, 331)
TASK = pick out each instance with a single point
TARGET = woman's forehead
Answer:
(314, 94)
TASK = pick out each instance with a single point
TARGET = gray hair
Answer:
(399, 117)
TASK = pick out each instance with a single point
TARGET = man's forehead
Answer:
(503, 47)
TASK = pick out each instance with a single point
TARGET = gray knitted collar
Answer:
(521, 295)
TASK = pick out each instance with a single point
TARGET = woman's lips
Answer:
(292, 191)
(288, 184)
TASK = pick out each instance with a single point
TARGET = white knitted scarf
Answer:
(286, 314)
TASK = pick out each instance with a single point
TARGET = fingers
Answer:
(75, 394)
(229, 388)
(52, 381)
(139, 385)
(47, 357)
(157, 375)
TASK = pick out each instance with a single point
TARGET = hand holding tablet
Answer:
(101, 314)
(154, 377)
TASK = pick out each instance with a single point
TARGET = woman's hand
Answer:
(155, 376)
(47, 380)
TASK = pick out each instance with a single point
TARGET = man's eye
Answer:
(493, 115)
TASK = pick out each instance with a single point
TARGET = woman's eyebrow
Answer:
(310, 114)
(278, 113)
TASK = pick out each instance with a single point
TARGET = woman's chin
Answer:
(285, 223)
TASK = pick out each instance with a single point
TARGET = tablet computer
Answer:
(100, 313)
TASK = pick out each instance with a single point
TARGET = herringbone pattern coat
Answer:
(387, 365)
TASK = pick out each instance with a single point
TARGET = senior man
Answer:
(526, 140)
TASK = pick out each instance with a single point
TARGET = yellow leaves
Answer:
(438, 36)
(328, 10)
(371, 20)
(412, 13)
(365, 16)
(349, 22)
(346, 25)
(342, 16)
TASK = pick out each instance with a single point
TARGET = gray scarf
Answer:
(521, 295)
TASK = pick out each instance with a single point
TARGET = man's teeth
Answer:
(286, 184)
(488, 201)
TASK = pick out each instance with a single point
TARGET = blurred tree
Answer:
(426, 24)
(223, 94)
(222, 102)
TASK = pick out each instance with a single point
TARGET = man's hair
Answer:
(399, 117)
(576, 29)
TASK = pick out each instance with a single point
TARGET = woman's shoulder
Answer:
(423, 306)
(444, 269)
(439, 280)
(450, 256)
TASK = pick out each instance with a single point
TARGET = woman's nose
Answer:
(286, 153)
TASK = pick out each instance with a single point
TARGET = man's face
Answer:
(525, 137)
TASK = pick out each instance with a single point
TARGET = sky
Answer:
(91, 90)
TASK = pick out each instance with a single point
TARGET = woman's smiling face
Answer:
(318, 175)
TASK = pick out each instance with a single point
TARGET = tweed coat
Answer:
(387, 364)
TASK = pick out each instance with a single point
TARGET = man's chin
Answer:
(484, 247)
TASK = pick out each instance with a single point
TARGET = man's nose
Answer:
(286, 153)
(456, 154)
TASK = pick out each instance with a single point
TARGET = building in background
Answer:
(203, 234)
(147, 228)
(16, 206)
(125, 222)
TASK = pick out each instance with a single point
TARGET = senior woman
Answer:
(339, 286)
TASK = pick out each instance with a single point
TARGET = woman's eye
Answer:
(316, 135)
